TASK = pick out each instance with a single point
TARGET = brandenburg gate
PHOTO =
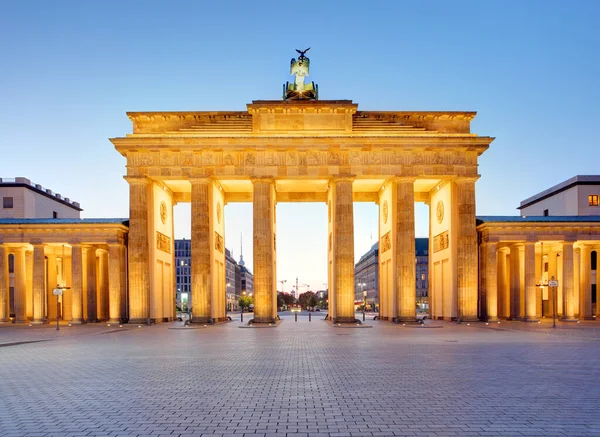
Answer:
(303, 150)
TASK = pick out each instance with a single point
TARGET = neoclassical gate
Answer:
(303, 151)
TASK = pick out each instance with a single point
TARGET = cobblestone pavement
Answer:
(301, 379)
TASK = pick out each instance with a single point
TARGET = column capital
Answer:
(262, 179)
(343, 178)
(36, 242)
(466, 179)
(137, 180)
(74, 243)
(399, 178)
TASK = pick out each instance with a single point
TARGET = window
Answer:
(54, 214)
(593, 200)
(7, 202)
(545, 213)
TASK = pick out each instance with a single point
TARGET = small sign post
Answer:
(58, 291)
(553, 284)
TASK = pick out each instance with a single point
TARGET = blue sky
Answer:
(71, 69)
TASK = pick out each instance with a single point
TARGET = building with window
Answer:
(183, 274)
(22, 198)
(366, 276)
(578, 196)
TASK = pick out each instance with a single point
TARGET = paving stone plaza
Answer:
(301, 379)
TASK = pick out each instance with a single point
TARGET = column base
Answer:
(140, 321)
(77, 322)
(468, 319)
(492, 319)
(203, 319)
(405, 319)
(588, 318)
(569, 320)
(263, 320)
(93, 321)
(39, 322)
(345, 320)
(5, 321)
(531, 319)
(114, 321)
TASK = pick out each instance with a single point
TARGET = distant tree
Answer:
(303, 299)
(312, 301)
(280, 300)
(245, 302)
(287, 298)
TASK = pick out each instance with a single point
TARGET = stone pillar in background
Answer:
(139, 270)
(114, 283)
(568, 285)
(20, 284)
(491, 281)
(585, 287)
(4, 297)
(92, 292)
(466, 242)
(201, 267)
(264, 254)
(39, 284)
(405, 249)
(515, 282)
(77, 283)
(102, 304)
(530, 289)
(343, 250)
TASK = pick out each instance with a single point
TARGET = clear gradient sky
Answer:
(69, 70)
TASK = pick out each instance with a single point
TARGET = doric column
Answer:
(343, 250)
(568, 286)
(4, 298)
(201, 268)
(491, 281)
(264, 253)
(515, 282)
(114, 283)
(92, 292)
(405, 249)
(102, 304)
(466, 250)
(503, 298)
(20, 284)
(585, 300)
(39, 284)
(77, 283)
(530, 289)
(139, 270)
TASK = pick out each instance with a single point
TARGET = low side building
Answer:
(22, 198)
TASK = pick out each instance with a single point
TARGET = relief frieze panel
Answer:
(163, 242)
(386, 242)
(441, 241)
(219, 243)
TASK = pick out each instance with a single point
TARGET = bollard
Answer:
(309, 314)
(363, 316)
(295, 317)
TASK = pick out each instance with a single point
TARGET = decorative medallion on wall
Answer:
(163, 212)
(439, 211)
(219, 212)
(163, 242)
(441, 242)
(386, 242)
(385, 211)
(219, 244)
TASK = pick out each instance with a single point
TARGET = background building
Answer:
(366, 276)
(578, 196)
(21, 198)
(237, 278)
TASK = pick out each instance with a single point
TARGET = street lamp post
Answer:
(553, 284)
(364, 304)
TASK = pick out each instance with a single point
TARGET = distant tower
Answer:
(241, 263)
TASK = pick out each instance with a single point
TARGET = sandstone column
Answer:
(77, 283)
(20, 284)
(515, 282)
(530, 289)
(4, 298)
(139, 270)
(405, 249)
(102, 304)
(502, 282)
(585, 286)
(491, 281)
(466, 250)
(568, 286)
(264, 253)
(39, 284)
(343, 250)
(114, 283)
(92, 297)
(201, 267)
